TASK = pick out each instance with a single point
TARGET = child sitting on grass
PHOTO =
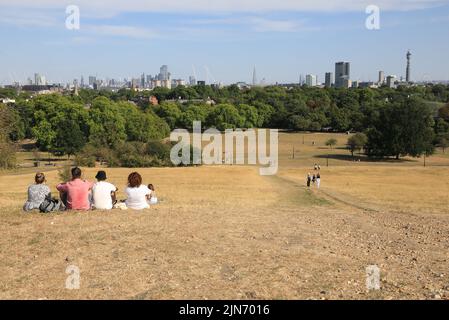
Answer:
(152, 199)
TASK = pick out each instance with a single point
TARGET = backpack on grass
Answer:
(50, 205)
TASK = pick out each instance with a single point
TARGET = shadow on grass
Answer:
(28, 146)
(334, 148)
(356, 158)
(47, 160)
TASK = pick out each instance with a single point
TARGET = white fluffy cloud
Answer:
(112, 7)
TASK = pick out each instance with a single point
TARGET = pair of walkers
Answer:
(315, 179)
(79, 194)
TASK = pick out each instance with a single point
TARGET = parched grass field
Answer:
(227, 232)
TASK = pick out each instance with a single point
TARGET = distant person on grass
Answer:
(37, 193)
(309, 179)
(103, 193)
(137, 193)
(318, 180)
(75, 193)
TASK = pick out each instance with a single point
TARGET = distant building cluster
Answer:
(145, 82)
(342, 78)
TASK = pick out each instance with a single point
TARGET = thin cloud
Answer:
(111, 7)
(257, 24)
(27, 18)
(269, 25)
(121, 31)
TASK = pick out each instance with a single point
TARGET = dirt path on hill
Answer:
(410, 248)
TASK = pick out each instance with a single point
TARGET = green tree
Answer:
(25, 110)
(331, 142)
(357, 142)
(443, 112)
(265, 112)
(194, 113)
(249, 116)
(443, 141)
(299, 123)
(183, 92)
(161, 93)
(44, 134)
(339, 118)
(54, 117)
(225, 116)
(7, 149)
(404, 127)
(69, 138)
(170, 112)
(107, 125)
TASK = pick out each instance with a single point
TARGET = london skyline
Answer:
(283, 40)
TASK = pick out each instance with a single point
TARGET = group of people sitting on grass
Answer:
(78, 194)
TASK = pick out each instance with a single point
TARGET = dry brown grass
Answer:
(226, 232)
(187, 246)
(407, 189)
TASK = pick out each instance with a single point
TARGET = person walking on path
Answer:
(318, 180)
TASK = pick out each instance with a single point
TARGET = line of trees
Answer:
(103, 129)
(7, 148)
(395, 122)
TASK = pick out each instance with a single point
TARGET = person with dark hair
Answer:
(153, 198)
(103, 193)
(75, 193)
(37, 193)
(137, 193)
(309, 179)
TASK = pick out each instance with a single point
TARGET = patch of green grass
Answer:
(312, 198)
(297, 194)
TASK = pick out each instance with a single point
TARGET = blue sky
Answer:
(282, 38)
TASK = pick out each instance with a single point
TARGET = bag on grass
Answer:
(50, 205)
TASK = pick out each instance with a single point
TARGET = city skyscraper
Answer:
(142, 80)
(192, 81)
(311, 80)
(92, 80)
(164, 75)
(342, 74)
(39, 79)
(408, 74)
(391, 81)
(329, 79)
(254, 77)
(381, 77)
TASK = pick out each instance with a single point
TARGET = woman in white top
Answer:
(137, 193)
